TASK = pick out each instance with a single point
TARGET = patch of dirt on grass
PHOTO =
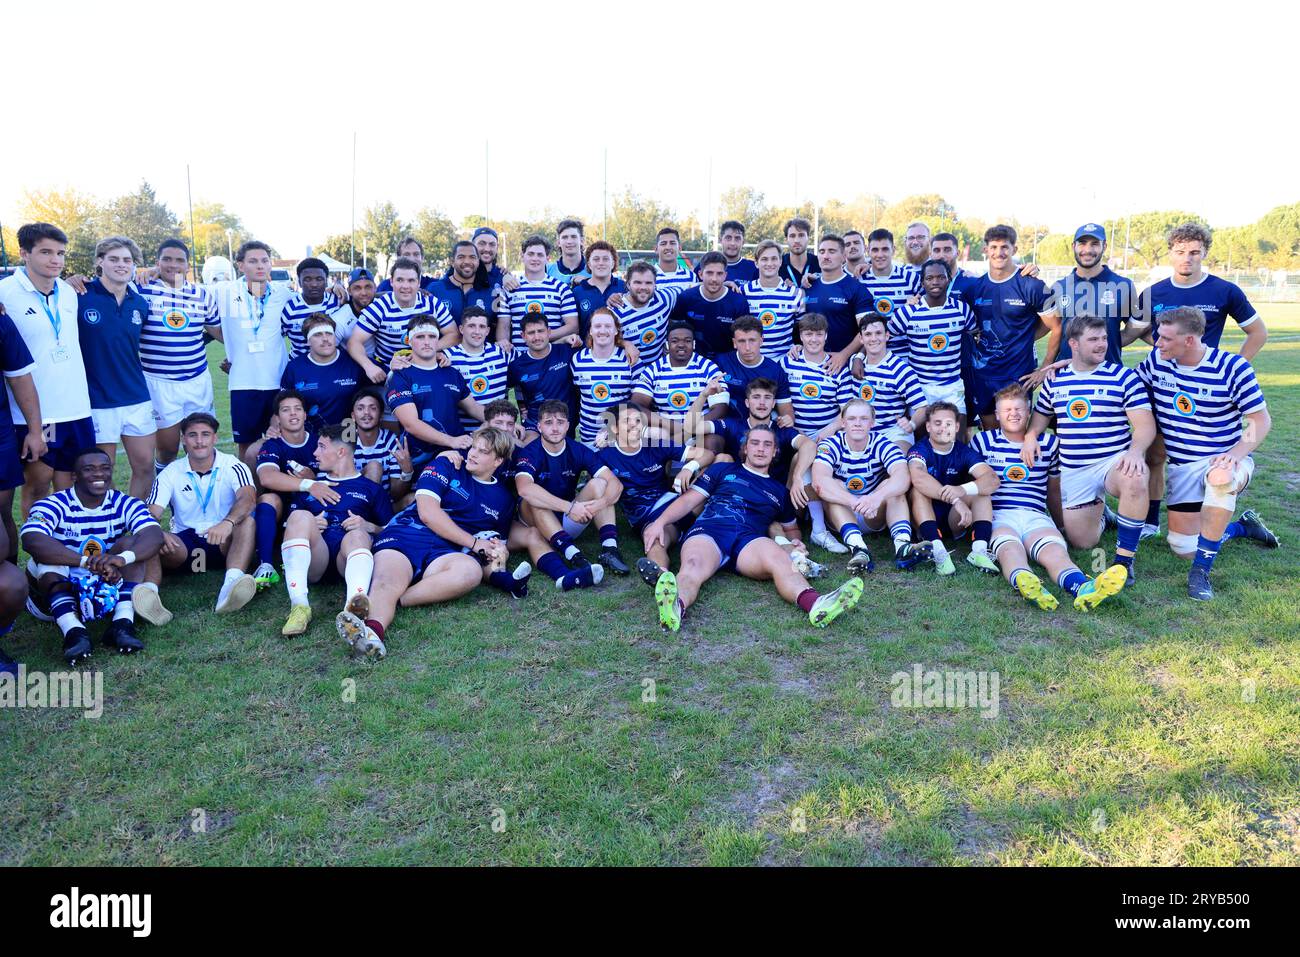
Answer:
(764, 795)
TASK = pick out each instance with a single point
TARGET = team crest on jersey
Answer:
(855, 484)
(92, 546)
(534, 308)
(647, 337)
(678, 399)
(176, 320)
(1184, 404)
(867, 392)
(767, 317)
(136, 320)
(1079, 409)
(600, 391)
(938, 342)
(478, 385)
(884, 305)
(1015, 472)
(811, 390)
(92, 316)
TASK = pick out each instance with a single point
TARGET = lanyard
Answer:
(257, 307)
(212, 484)
(54, 315)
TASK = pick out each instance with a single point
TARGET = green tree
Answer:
(383, 229)
(76, 214)
(435, 232)
(1278, 232)
(338, 247)
(1056, 249)
(211, 221)
(1149, 233)
(634, 221)
(141, 216)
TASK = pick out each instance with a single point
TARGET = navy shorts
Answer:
(64, 439)
(730, 541)
(11, 466)
(250, 413)
(420, 546)
(983, 386)
(644, 511)
(194, 542)
(941, 512)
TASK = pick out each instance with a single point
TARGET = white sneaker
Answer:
(149, 607)
(239, 595)
(829, 542)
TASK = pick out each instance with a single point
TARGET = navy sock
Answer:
(509, 584)
(563, 544)
(1206, 551)
(1128, 534)
(264, 520)
(578, 578)
(608, 536)
(929, 531)
(1072, 580)
(63, 602)
(982, 531)
(1234, 530)
(1153, 512)
(552, 565)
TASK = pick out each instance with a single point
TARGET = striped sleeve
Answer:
(137, 516)
(1135, 393)
(160, 493)
(1245, 387)
(45, 517)
(242, 475)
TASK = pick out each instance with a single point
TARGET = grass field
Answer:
(567, 729)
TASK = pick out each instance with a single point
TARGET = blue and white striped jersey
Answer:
(931, 339)
(861, 470)
(549, 296)
(1091, 411)
(1021, 487)
(647, 327)
(775, 309)
(485, 374)
(892, 291)
(601, 384)
(386, 321)
(89, 531)
(892, 388)
(1199, 408)
(295, 311)
(673, 390)
(679, 279)
(816, 394)
(382, 452)
(171, 341)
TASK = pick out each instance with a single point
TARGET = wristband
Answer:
(85, 559)
(405, 476)
(970, 488)
(692, 466)
(719, 398)
(305, 485)
(782, 540)
(128, 557)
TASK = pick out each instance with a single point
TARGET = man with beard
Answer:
(916, 243)
(798, 261)
(464, 286)
(855, 254)
(361, 293)
(1094, 289)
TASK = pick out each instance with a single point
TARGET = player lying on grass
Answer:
(452, 538)
(286, 463)
(1022, 527)
(88, 547)
(322, 537)
(737, 502)
(862, 478)
(1201, 396)
(950, 491)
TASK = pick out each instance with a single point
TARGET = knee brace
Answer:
(1180, 543)
(999, 541)
(1220, 496)
(1044, 543)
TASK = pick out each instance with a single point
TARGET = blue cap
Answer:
(1090, 229)
(360, 273)
(485, 231)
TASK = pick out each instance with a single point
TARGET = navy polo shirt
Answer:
(110, 345)
(456, 299)
(741, 271)
(1108, 295)
(712, 319)
(590, 298)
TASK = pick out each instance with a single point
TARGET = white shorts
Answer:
(174, 399)
(899, 436)
(1186, 483)
(128, 420)
(63, 571)
(1083, 486)
(954, 392)
(1024, 522)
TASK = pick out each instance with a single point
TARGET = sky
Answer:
(1051, 112)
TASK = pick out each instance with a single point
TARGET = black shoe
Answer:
(1256, 530)
(76, 646)
(577, 561)
(7, 665)
(1198, 584)
(121, 635)
(649, 570)
(912, 554)
(612, 559)
(860, 563)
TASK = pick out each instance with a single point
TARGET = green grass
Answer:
(525, 733)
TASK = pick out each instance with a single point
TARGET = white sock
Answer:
(67, 621)
(854, 539)
(124, 609)
(818, 514)
(978, 547)
(940, 553)
(572, 528)
(357, 571)
(296, 554)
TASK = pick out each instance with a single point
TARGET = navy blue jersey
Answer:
(358, 495)
(788, 270)
(536, 380)
(15, 360)
(947, 468)
(1108, 295)
(557, 472)
(842, 302)
(734, 431)
(482, 509)
(737, 375)
(741, 499)
(1006, 315)
(436, 394)
(110, 345)
(327, 389)
(456, 299)
(288, 458)
(590, 298)
(1215, 297)
(642, 473)
(712, 318)
(740, 272)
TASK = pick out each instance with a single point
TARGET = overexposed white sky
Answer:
(1052, 112)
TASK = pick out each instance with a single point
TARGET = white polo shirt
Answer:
(345, 320)
(251, 329)
(200, 501)
(59, 374)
